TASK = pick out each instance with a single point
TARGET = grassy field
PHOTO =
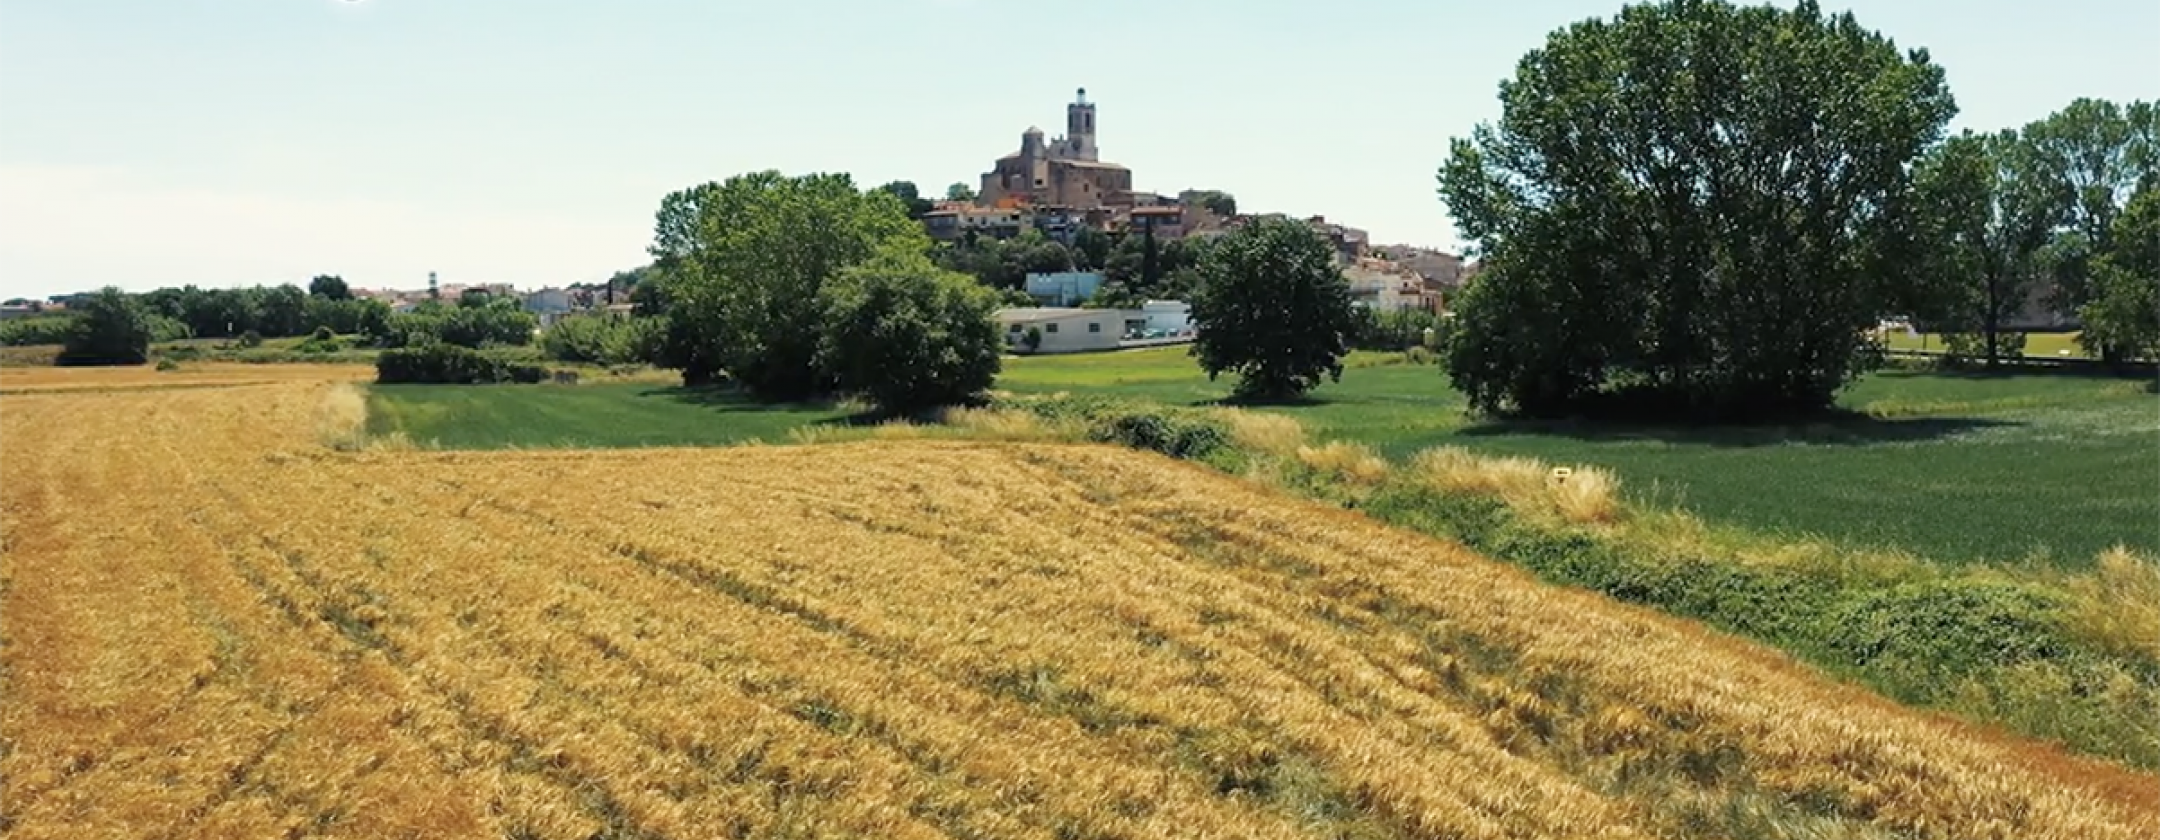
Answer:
(217, 627)
(2049, 345)
(1953, 467)
(598, 415)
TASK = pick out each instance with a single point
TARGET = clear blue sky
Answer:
(224, 142)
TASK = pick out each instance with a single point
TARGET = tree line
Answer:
(112, 326)
(1701, 209)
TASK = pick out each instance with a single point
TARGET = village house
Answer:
(1439, 268)
(548, 305)
(954, 221)
(1386, 286)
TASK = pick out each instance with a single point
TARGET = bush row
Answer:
(602, 340)
(1191, 434)
(450, 364)
(36, 330)
(1973, 642)
(1978, 644)
(56, 329)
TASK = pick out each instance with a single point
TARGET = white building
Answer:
(1064, 288)
(1063, 330)
(1169, 318)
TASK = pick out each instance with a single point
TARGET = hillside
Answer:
(213, 624)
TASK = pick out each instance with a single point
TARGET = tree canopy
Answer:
(1694, 205)
(744, 264)
(111, 329)
(908, 335)
(329, 286)
(1217, 202)
(2093, 154)
(1005, 263)
(1987, 213)
(910, 197)
(2124, 313)
(1126, 280)
(1272, 307)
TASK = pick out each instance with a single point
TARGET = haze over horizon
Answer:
(148, 143)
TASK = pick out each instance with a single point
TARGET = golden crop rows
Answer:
(215, 627)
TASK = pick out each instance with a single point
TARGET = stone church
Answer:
(1065, 172)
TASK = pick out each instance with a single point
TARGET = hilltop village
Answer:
(1062, 189)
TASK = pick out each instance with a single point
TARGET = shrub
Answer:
(251, 339)
(37, 329)
(1394, 330)
(112, 329)
(321, 341)
(1178, 432)
(599, 340)
(450, 364)
(1925, 633)
(489, 322)
(163, 328)
(908, 335)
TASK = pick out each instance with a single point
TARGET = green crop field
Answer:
(584, 416)
(1953, 467)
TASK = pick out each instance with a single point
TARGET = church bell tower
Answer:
(1080, 127)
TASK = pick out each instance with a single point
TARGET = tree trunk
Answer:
(1992, 318)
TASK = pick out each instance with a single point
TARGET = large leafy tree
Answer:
(2097, 155)
(692, 334)
(911, 197)
(1988, 211)
(909, 335)
(1696, 203)
(1272, 307)
(747, 259)
(111, 329)
(283, 311)
(2094, 154)
(329, 286)
(2124, 313)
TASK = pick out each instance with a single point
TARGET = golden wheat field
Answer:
(216, 626)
